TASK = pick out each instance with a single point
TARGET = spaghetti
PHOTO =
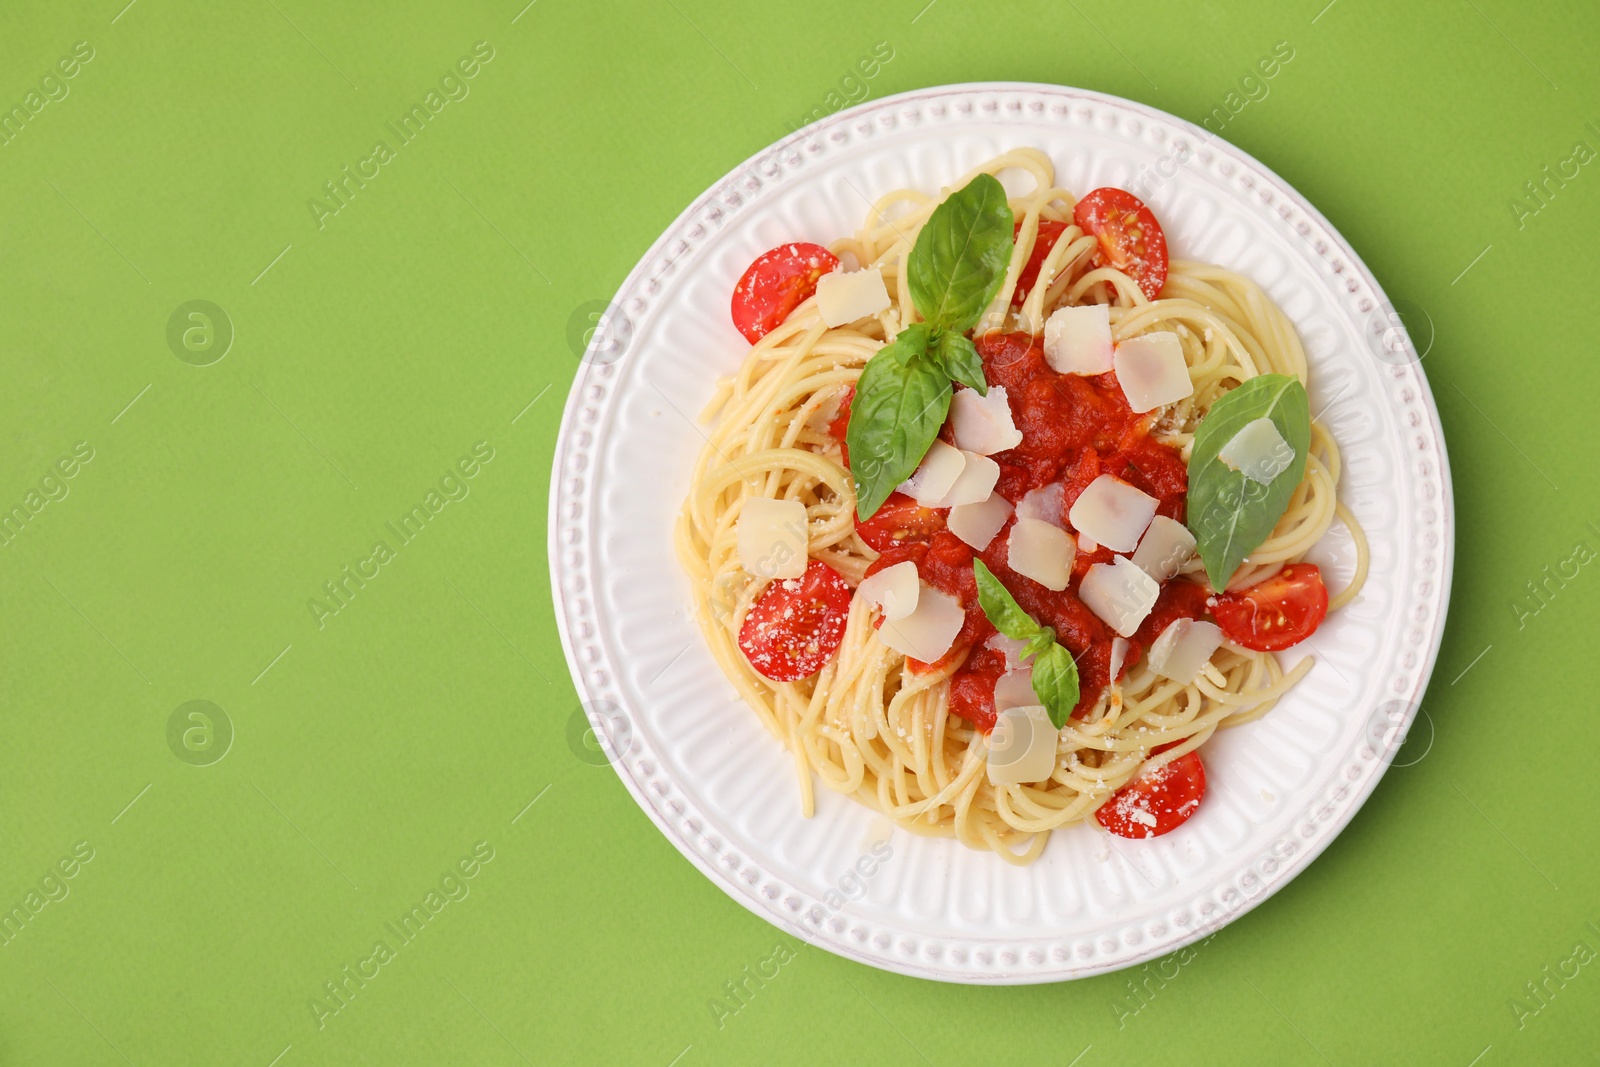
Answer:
(872, 724)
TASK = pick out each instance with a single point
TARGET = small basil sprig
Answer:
(954, 270)
(1055, 672)
(958, 357)
(1229, 514)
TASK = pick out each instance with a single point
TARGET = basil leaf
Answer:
(1055, 681)
(1002, 609)
(1229, 514)
(903, 395)
(1055, 672)
(961, 254)
(958, 357)
(1039, 642)
(902, 398)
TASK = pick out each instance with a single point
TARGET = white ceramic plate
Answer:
(723, 790)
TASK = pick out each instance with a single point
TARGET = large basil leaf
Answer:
(1055, 672)
(902, 398)
(1229, 514)
(961, 255)
(903, 394)
(959, 359)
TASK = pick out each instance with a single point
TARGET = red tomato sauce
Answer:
(1073, 430)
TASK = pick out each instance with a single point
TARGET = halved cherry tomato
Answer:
(841, 422)
(1130, 237)
(796, 624)
(779, 281)
(1156, 802)
(1050, 232)
(1277, 613)
(900, 521)
(840, 426)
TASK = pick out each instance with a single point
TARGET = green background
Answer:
(372, 753)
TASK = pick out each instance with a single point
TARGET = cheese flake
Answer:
(1008, 647)
(935, 476)
(976, 524)
(1165, 548)
(1077, 340)
(983, 424)
(1152, 371)
(1046, 502)
(1184, 648)
(928, 632)
(1112, 513)
(1258, 450)
(1022, 746)
(772, 537)
(845, 296)
(1042, 552)
(1014, 689)
(894, 591)
(1119, 656)
(1119, 593)
(974, 484)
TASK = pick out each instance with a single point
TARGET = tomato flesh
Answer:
(947, 566)
(899, 522)
(796, 624)
(1130, 238)
(911, 553)
(779, 281)
(1275, 614)
(1074, 429)
(972, 687)
(1156, 802)
(1179, 599)
(1050, 232)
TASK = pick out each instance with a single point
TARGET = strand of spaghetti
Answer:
(1128, 292)
(1070, 248)
(1363, 558)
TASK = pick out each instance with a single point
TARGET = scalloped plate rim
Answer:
(1351, 802)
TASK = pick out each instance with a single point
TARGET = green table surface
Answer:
(180, 513)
